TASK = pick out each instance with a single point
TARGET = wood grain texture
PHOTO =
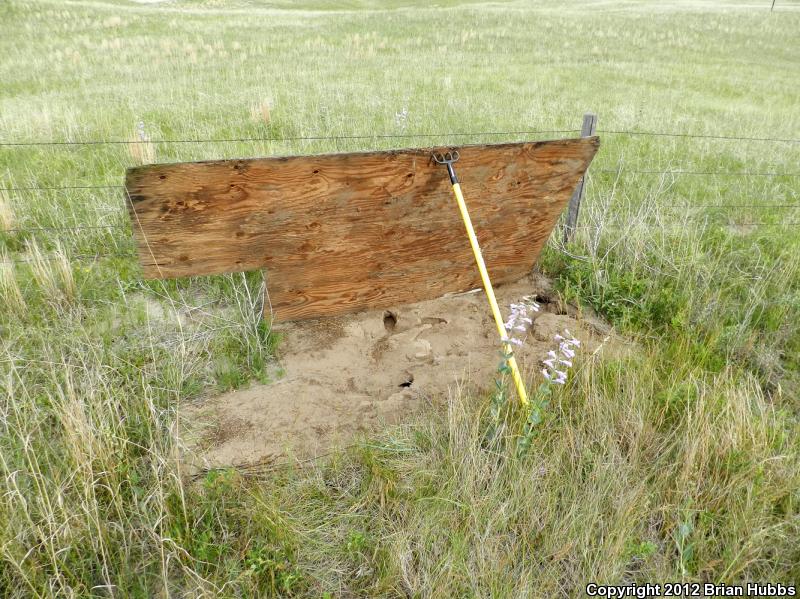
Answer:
(343, 232)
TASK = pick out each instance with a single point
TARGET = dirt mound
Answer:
(339, 376)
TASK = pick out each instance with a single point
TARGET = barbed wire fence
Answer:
(621, 171)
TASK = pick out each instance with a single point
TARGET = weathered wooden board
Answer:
(342, 232)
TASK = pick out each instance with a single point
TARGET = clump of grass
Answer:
(261, 112)
(7, 218)
(140, 148)
(10, 294)
(52, 272)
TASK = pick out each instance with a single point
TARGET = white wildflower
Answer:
(561, 358)
(518, 319)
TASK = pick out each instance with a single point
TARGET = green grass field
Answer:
(680, 461)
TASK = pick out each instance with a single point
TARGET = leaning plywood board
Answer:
(343, 232)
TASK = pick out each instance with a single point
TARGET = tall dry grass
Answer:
(261, 112)
(141, 149)
(52, 272)
(7, 218)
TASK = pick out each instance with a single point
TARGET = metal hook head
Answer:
(448, 157)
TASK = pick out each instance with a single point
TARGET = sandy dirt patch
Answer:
(343, 375)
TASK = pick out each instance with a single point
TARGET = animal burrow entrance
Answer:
(389, 320)
(408, 380)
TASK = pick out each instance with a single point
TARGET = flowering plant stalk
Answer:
(516, 326)
(519, 320)
(556, 370)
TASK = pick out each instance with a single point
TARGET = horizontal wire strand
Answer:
(691, 220)
(65, 228)
(701, 173)
(278, 139)
(75, 258)
(60, 187)
(391, 136)
(698, 136)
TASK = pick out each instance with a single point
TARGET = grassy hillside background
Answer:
(680, 462)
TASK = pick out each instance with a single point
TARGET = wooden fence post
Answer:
(587, 130)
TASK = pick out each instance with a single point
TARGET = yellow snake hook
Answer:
(448, 158)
